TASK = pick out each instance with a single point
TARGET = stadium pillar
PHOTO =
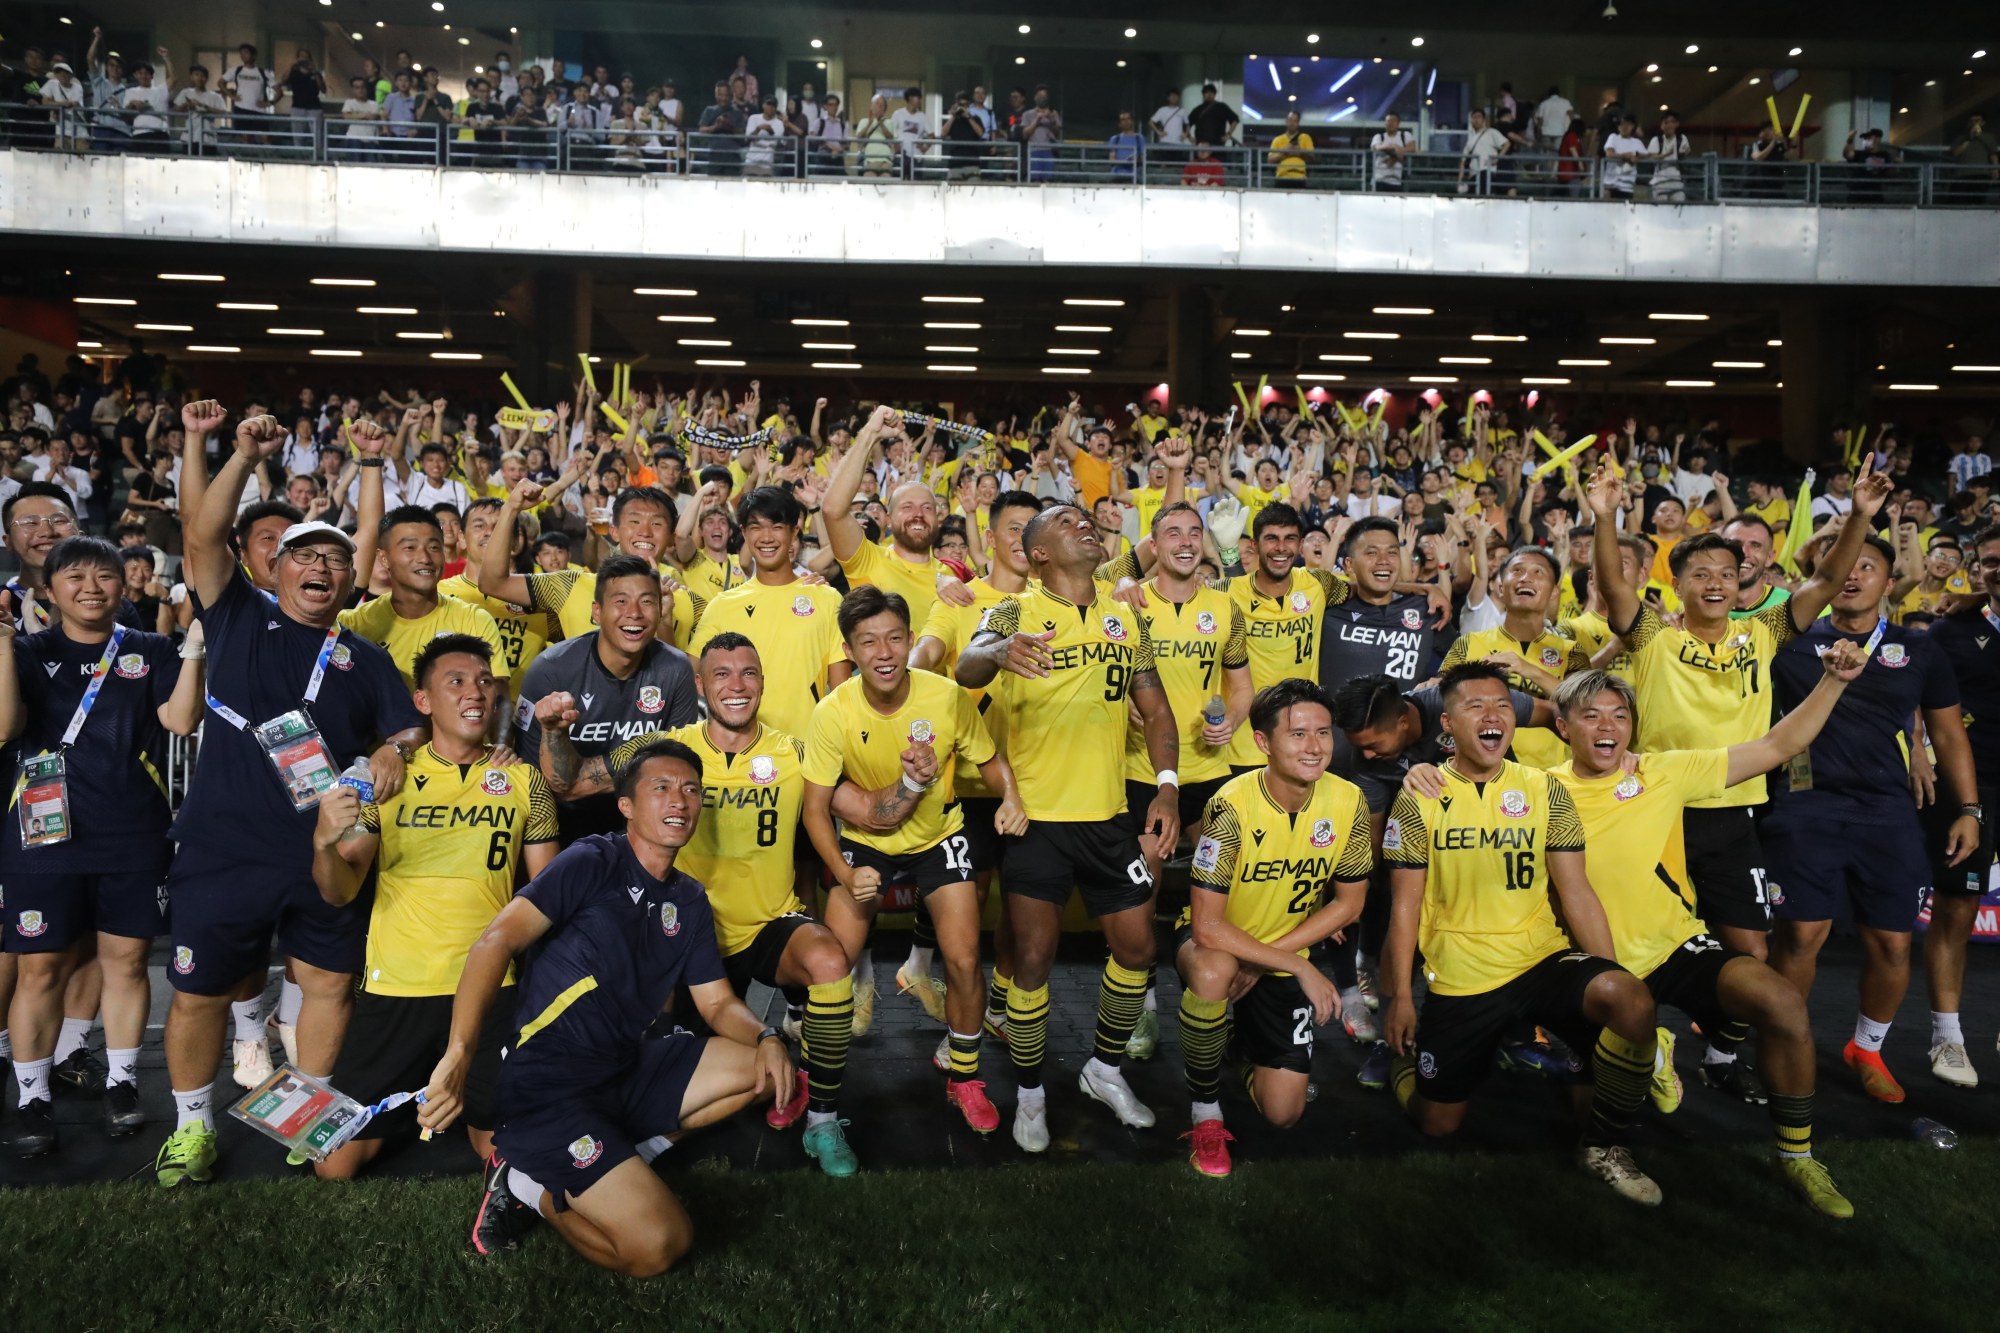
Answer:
(1190, 317)
(1825, 371)
(555, 328)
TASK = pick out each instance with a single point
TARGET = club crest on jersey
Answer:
(1551, 657)
(1513, 804)
(183, 960)
(585, 1151)
(1114, 628)
(670, 918)
(1628, 787)
(495, 783)
(802, 605)
(1300, 602)
(1412, 618)
(763, 769)
(1204, 623)
(1893, 655)
(650, 699)
(31, 924)
(1322, 835)
(131, 666)
(921, 732)
(342, 656)
(1206, 853)
(1392, 836)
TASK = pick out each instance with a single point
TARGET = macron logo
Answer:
(636, 892)
(589, 699)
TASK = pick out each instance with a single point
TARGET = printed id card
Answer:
(307, 1115)
(293, 745)
(44, 803)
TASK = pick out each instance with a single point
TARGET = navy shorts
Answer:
(48, 913)
(224, 914)
(1969, 875)
(1881, 871)
(567, 1138)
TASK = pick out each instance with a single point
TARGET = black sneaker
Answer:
(32, 1132)
(1736, 1078)
(122, 1116)
(502, 1219)
(81, 1075)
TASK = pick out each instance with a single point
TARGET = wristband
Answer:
(918, 788)
(1166, 777)
(769, 1033)
(370, 462)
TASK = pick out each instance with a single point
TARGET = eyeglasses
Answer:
(336, 562)
(53, 522)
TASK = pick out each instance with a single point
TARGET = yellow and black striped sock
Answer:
(1792, 1118)
(1121, 998)
(1027, 1032)
(1403, 1079)
(1204, 1037)
(964, 1056)
(996, 996)
(1622, 1072)
(1727, 1037)
(828, 1028)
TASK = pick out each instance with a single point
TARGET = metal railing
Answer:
(869, 154)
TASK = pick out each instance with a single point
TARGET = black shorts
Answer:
(1879, 872)
(49, 913)
(980, 835)
(1101, 859)
(1274, 1019)
(1689, 979)
(567, 1138)
(395, 1041)
(1194, 799)
(1725, 864)
(1969, 875)
(759, 959)
(1458, 1034)
(948, 861)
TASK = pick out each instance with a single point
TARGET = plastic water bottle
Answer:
(1927, 1130)
(1214, 711)
(359, 777)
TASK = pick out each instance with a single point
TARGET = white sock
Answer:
(6, 1044)
(75, 1032)
(290, 997)
(1201, 1111)
(919, 964)
(244, 1012)
(1152, 999)
(820, 1117)
(1868, 1034)
(1944, 1028)
(648, 1149)
(864, 969)
(1711, 1056)
(1350, 999)
(525, 1188)
(31, 1080)
(1031, 1099)
(121, 1066)
(194, 1108)
(1103, 1070)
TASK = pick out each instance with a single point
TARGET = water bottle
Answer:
(1927, 1130)
(1214, 711)
(362, 780)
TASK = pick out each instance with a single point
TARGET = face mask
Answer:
(1649, 472)
(504, 66)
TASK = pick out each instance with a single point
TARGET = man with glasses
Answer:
(293, 700)
(37, 516)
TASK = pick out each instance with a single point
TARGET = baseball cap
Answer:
(307, 534)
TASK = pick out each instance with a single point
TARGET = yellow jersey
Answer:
(1588, 631)
(849, 737)
(523, 633)
(1275, 865)
(376, 621)
(1487, 913)
(709, 578)
(1637, 860)
(954, 626)
(570, 595)
(881, 567)
(1536, 746)
(1254, 499)
(1288, 149)
(1776, 513)
(451, 843)
(796, 629)
(1193, 643)
(1696, 697)
(742, 846)
(1283, 636)
(1066, 731)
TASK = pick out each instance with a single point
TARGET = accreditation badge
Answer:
(44, 803)
(304, 766)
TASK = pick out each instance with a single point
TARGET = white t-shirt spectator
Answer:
(299, 456)
(1480, 615)
(1669, 153)
(1171, 122)
(1373, 506)
(392, 495)
(670, 112)
(1552, 116)
(361, 113)
(1826, 506)
(1483, 148)
(909, 125)
(1692, 487)
(1620, 176)
(418, 490)
(149, 108)
(187, 100)
(252, 87)
(765, 132)
(1388, 165)
(72, 479)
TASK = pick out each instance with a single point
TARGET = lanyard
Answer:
(97, 674)
(31, 607)
(236, 719)
(1875, 639)
(1991, 619)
